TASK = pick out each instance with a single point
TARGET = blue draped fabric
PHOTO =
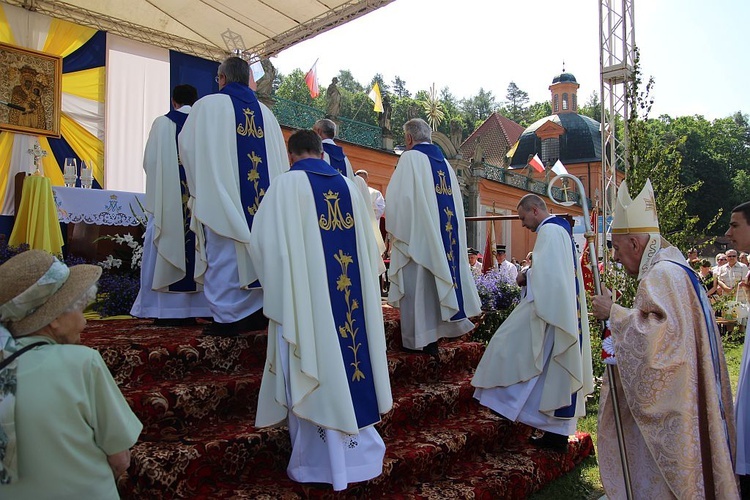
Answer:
(92, 54)
(336, 155)
(570, 410)
(449, 224)
(338, 234)
(185, 69)
(186, 284)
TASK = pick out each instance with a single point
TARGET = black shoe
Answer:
(431, 349)
(216, 329)
(255, 322)
(551, 441)
(175, 322)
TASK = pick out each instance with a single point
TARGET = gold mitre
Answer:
(635, 215)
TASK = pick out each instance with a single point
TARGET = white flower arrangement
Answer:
(132, 243)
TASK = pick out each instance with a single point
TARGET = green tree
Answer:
(592, 108)
(348, 82)
(537, 111)
(517, 103)
(293, 88)
(652, 156)
(399, 87)
(384, 87)
(476, 109)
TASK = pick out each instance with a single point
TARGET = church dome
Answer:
(564, 77)
(580, 142)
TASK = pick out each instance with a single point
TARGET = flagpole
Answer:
(589, 234)
(359, 109)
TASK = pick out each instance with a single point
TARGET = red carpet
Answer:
(196, 397)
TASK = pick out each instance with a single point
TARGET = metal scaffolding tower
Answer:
(616, 63)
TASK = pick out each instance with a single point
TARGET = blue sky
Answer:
(695, 50)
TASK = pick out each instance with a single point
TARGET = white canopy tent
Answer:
(195, 26)
(140, 34)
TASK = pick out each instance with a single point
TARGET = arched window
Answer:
(575, 103)
(556, 105)
(565, 102)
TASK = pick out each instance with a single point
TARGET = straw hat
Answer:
(23, 271)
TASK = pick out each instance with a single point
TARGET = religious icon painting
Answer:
(30, 96)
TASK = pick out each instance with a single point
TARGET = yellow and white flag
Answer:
(374, 95)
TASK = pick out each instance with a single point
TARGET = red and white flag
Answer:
(537, 164)
(488, 258)
(311, 79)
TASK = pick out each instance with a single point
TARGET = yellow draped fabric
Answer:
(85, 145)
(36, 221)
(65, 38)
(6, 144)
(88, 83)
(6, 36)
(50, 168)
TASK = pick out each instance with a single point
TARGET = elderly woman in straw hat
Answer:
(65, 428)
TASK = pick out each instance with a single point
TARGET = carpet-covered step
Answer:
(414, 406)
(140, 353)
(239, 454)
(455, 357)
(172, 355)
(513, 472)
(169, 409)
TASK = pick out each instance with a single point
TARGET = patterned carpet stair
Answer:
(196, 397)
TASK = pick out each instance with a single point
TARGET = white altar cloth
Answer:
(99, 206)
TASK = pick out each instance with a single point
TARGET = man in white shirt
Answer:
(378, 202)
(476, 266)
(732, 273)
(505, 267)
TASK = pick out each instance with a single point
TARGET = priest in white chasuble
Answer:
(168, 291)
(232, 149)
(537, 367)
(333, 154)
(326, 372)
(431, 281)
(671, 378)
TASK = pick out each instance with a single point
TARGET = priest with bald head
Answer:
(674, 393)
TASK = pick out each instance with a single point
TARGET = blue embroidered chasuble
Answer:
(186, 284)
(251, 148)
(251, 151)
(333, 204)
(336, 155)
(570, 410)
(448, 222)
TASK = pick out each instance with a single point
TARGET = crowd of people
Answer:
(255, 232)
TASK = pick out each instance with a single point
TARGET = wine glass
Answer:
(70, 172)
